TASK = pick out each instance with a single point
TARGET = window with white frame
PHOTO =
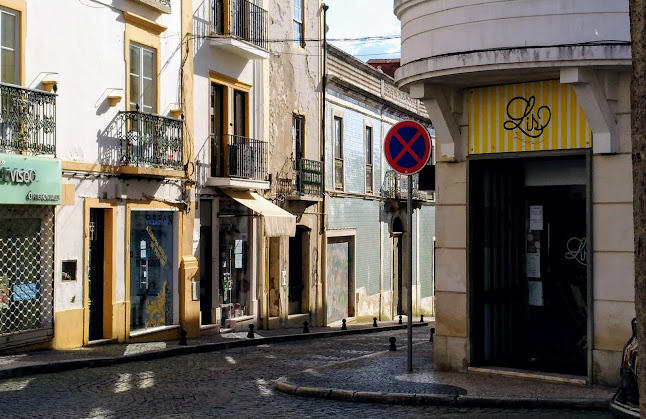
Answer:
(369, 149)
(338, 153)
(143, 78)
(299, 32)
(9, 54)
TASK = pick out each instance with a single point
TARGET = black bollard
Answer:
(392, 341)
(400, 319)
(182, 337)
(421, 318)
(432, 333)
(305, 328)
(250, 334)
(374, 322)
(343, 326)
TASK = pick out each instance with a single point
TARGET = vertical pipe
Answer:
(410, 273)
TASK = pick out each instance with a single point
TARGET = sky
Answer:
(364, 18)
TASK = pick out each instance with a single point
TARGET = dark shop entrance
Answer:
(528, 265)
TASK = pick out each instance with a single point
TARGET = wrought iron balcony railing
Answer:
(395, 186)
(237, 156)
(308, 180)
(241, 19)
(27, 120)
(149, 140)
(309, 177)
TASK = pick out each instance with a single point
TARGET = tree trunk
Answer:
(638, 134)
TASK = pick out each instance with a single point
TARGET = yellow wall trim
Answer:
(69, 197)
(19, 6)
(229, 81)
(140, 31)
(143, 23)
(68, 332)
(123, 170)
(535, 116)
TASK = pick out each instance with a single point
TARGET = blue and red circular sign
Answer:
(407, 147)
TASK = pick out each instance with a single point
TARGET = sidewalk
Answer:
(383, 378)
(51, 361)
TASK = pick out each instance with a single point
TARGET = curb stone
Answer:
(440, 399)
(75, 364)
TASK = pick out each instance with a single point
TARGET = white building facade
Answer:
(530, 102)
(100, 253)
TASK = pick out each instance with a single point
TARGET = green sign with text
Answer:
(30, 180)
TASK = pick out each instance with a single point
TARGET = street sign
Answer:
(407, 147)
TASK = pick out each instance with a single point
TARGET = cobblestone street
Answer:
(231, 383)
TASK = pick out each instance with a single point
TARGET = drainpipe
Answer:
(324, 109)
(320, 311)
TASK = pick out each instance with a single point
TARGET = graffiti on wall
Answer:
(338, 263)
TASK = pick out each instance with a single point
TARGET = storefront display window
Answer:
(235, 281)
(152, 268)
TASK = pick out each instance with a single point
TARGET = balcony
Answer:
(307, 184)
(240, 27)
(395, 187)
(162, 6)
(238, 162)
(150, 141)
(27, 120)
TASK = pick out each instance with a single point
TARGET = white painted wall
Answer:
(84, 43)
(431, 28)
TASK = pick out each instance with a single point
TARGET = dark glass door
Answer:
(295, 290)
(95, 273)
(557, 278)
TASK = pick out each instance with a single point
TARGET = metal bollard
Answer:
(400, 319)
(421, 318)
(250, 334)
(305, 328)
(374, 322)
(432, 333)
(182, 337)
(343, 326)
(392, 341)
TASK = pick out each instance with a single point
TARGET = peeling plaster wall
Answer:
(294, 85)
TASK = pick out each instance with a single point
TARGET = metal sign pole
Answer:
(410, 273)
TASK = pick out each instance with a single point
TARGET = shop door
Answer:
(295, 290)
(496, 265)
(95, 273)
(234, 281)
(206, 262)
(556, 271)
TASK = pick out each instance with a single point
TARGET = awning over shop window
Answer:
(278, 222)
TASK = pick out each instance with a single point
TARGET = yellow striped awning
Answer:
(534, 116)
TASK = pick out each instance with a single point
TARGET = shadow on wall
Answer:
(201, 25)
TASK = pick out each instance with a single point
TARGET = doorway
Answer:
(96, 273)
(397, 259)
(206, 263)
(298, 300)
(528, 263)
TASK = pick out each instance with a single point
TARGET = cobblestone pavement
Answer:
(240, 383)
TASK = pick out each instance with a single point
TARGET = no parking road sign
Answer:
(407, 147)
